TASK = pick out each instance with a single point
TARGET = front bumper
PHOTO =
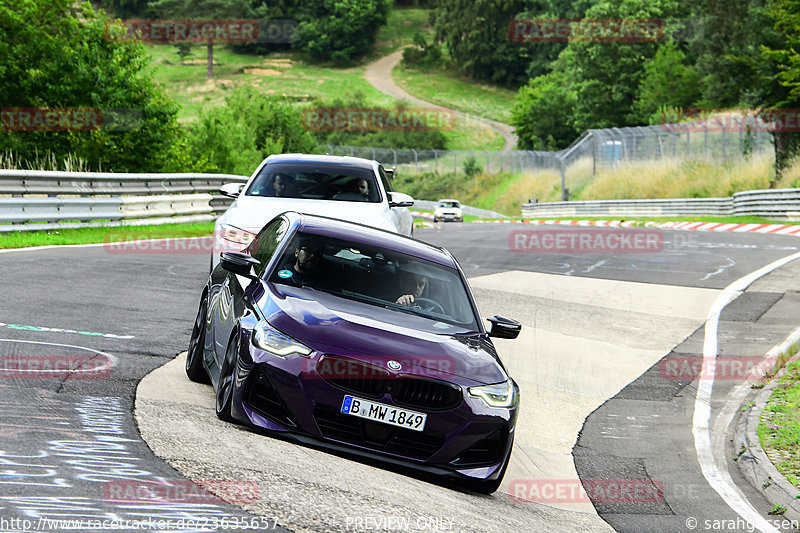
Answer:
(289, 397)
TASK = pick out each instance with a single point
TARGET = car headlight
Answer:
(236, 235)
(496, 395)
(269, 339)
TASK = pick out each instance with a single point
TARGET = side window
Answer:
(267, 242)
(387, 183)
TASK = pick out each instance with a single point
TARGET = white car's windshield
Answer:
(316, 181)
(378, 277)
(449, 204)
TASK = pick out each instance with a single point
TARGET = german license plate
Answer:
(387, 414)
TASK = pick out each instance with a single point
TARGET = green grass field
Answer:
(451, 90)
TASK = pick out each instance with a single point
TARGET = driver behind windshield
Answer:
(413, 285)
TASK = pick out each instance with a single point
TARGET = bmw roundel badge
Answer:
(394, 365)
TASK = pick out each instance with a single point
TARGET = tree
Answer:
(667, 82)
(542, 113)
(786, 57)
(339, 30)
(59, 54)
(202, 10)
(476, 33)
(607, 75)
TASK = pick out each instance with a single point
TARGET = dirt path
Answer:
(379, 75)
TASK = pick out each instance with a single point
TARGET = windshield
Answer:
(449, 204)
(315, 181)
(381, 278)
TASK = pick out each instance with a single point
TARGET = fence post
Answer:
(563, 180)
(435, 161)
(394, 156)
(594, 153)
(416, 161)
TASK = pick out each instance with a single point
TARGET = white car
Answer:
(347, 188)
(448, 209)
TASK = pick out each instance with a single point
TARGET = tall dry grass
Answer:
(673, 178)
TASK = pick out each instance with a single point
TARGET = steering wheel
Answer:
(428, 305)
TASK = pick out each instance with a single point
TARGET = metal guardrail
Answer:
(779, 204)
(43, 200)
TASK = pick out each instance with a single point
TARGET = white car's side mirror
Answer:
(399, 199)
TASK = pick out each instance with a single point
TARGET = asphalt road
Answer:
(70, 448)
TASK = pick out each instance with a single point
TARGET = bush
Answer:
(417, 139)
(423, 55)
(237, 136)
(471, 167)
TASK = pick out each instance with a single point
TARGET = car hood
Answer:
(251, 213)
(330, 324)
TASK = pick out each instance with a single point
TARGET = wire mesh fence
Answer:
(711, 139)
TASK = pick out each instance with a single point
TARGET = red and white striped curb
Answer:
(421, 214)
(783, 229)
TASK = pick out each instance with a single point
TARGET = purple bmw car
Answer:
(356, 339)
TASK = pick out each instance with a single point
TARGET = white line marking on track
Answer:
(719, 481)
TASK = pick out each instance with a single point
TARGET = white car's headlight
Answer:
(273, 341)
(496, 395)
(236, 235)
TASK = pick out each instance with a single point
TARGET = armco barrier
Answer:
(778, 204)
(43, 200)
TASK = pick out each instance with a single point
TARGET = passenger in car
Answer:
(356, 190)
(284, 186)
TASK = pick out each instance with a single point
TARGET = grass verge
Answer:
(451, 90)
(24, 239)
(779, 427)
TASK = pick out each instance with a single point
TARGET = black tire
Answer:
(225, 386)
(194, 356)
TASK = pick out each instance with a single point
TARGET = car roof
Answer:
(378, 238)
(449, 200)
(327, 159)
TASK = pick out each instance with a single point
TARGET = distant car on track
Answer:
(359, 340)
(349, 188)
(448, 209)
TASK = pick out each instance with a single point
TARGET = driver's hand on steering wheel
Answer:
(406, 299)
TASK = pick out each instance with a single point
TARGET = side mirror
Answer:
(504, 328)
(398, 199)
(231, 190)
(239, 263)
